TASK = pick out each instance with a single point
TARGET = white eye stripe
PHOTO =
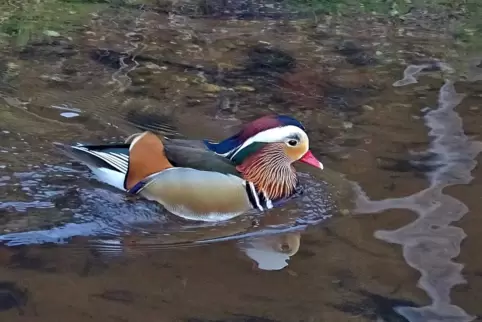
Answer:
(277, 134)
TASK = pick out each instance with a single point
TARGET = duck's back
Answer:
(184, 155)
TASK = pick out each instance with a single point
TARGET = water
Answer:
(388, 232)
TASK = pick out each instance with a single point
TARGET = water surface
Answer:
(388, 232)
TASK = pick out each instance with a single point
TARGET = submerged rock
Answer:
(11, 296)
(110, 58)
(355, 54)
(55, 48)
(268, 59)
(375, 307)
(349, 47)
(362, 59)
(51, 33)
(211, 88)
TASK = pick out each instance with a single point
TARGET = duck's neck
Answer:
(270, 170)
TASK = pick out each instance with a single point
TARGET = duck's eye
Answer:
(292, 142)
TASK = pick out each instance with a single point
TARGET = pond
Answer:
(389, 93)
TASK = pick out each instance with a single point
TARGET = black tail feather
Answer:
(84, 156)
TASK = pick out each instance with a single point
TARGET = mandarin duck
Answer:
(203, 180)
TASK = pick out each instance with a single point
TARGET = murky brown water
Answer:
(388, 232)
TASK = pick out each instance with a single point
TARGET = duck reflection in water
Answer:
(269, 249)
(271, 252)
(273, 248)
(270, 243)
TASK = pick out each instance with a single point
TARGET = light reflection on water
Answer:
(430, 242)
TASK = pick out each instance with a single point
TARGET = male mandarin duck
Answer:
(205, 180)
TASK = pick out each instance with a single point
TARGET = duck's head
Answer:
(288, 132)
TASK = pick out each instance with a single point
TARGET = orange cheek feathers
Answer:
(296, 152)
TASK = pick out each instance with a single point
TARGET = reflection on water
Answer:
(183, 73)
(271, 252)
(411, 73)
(430, 242)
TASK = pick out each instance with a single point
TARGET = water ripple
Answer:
(109, 218)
